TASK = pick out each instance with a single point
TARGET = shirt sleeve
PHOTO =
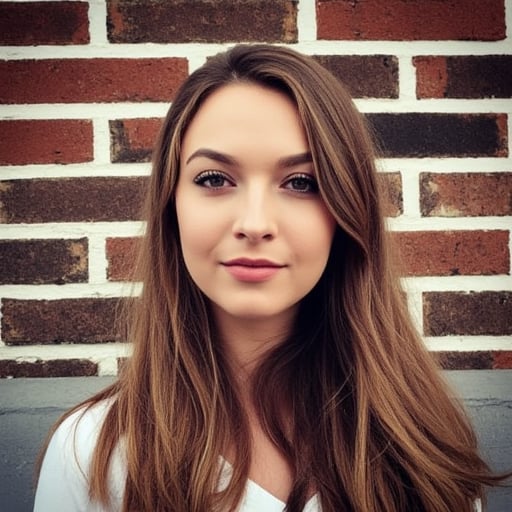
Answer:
(63, 481)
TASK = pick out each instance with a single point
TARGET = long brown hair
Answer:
(369, 423)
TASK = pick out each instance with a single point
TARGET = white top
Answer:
(63, 482)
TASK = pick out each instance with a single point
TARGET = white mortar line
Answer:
(411, 194)
(415, 307)
(409, 223)
(406, 79)
(306, 21)
(87, 170)
(450, 165)
(70, 291)
(101, 141)
(468, 343)
(458, 283)
(98, 22)
(71, 230)
(97, 259)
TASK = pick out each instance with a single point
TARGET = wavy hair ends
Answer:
(369, 423)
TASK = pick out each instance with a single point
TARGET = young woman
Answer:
(275, 366)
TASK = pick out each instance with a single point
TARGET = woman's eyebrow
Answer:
(294, 160)
(212, 155)
(284, 162)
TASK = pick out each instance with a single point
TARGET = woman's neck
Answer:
(246, 340)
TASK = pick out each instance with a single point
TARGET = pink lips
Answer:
(252, 271)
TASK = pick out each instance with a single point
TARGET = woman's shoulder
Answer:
(64, 476)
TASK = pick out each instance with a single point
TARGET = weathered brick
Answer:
(52, 368)
(441, 135)
(451, 253)
(179, 21)
(475, 360)
(132, 140)
(27, 322)
(121, 254)
(43, 261)
(502, 359)
(91, 80)
(365, 76)
(391, 183)
(473, 313)
(475, 76)
(45, 142)
(34, 23)
(465, 194)
(71, 199)
(402, 20)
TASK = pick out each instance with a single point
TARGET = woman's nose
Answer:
(255, 219)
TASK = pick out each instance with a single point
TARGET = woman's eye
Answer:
(303, 183)
(213, 179)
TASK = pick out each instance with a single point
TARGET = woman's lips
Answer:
(252, 271)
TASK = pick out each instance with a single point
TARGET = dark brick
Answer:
(474, 313)
(132, 140)
(475, 76)
(365, 76)
(34, 23)
(478, 360)
(180, 21)
(465, 194)
(121, 254)
(58, 141)
(441, 135)
(91, 80)
(391, 183)
(502, 359)
(43, 261)
(403, 20)
(71, 199)
(449, 253)
(52, 368)
(28, 322)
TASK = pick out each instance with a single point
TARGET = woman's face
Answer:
(254, 230)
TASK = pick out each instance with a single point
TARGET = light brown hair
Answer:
(352, 398)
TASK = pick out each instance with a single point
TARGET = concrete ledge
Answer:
(28, 408)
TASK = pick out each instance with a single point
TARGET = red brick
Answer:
(45, 142)
(176, 21)
(365, 76)
(465, 194)
(48, 23)
(472, 313)
(449, 253)
(403, 20)
(27, 322)
(502, 359)
(91, 80)
(98, 199)
(440, 135)
(121, 254)
(43, 261)
(132, 140)
(474, 76)
(478, 360)
(391, 183)
(52, 368)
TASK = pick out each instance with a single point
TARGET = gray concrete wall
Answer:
(28, 407)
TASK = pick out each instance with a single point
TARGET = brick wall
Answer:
(84, 85)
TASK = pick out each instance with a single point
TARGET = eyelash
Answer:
(204, 177)
(307, 178)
